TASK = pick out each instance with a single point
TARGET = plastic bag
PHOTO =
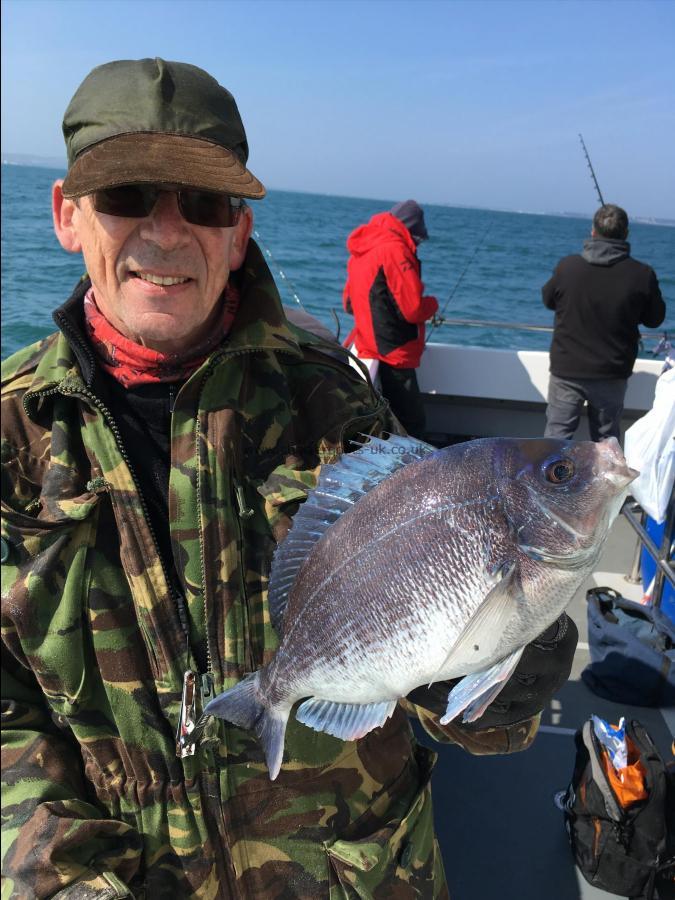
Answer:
(613, 739)
(649, 447)
(620, 762)
(371, 364)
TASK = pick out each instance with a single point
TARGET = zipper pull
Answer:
(207, 687)
(206, 732)
(245, 512)
(185, 744)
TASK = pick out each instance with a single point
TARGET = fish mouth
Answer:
(622, 479)
(620, 474)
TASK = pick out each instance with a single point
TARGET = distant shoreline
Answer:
(16, 159)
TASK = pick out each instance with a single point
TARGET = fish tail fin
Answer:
(244, 706)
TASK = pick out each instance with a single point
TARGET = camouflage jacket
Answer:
(95, 801)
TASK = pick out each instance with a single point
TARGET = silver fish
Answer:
(409, 565)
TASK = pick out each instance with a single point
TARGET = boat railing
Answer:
(517, 326)
(661, 555)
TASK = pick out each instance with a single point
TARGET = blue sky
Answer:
(467, 103)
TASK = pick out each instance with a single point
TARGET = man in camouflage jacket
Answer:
(121, 616)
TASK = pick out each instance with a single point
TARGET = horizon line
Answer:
(27, 160)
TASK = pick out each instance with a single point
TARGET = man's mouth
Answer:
(162, 280)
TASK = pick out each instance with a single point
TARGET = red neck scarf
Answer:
(132, 364)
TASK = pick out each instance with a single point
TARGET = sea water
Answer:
(481, 264)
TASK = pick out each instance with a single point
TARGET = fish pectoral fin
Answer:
(485, 629)
(347, 721)
(475, 693)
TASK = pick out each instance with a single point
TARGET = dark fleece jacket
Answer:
(600, 298)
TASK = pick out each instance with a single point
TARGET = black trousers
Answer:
(400, 388)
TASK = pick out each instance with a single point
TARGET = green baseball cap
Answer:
(149, 121)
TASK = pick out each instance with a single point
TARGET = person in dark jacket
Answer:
(599, 297)
(385, 294)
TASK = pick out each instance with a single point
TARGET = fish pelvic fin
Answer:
(474, 693)
(243, 706)
(347, 721)
(341, 485)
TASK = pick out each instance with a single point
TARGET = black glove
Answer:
(543, 668)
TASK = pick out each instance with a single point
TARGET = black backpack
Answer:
(624, 851)
(632, 649)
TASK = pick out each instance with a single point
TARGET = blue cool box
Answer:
(648, 567)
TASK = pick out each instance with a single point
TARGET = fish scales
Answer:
(418, 566)
(339, 637)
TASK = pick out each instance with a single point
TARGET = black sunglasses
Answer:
(136, 201)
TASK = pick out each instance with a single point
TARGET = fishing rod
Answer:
(590, 166)
(438, 318)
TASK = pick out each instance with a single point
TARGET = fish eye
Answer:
(559, 471)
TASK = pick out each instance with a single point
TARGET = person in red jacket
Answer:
(385, 294)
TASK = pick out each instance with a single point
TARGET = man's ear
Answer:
(242, 234)
(63, 213)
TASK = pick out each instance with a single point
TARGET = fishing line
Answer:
(289, 283)
(438, 318)
(337, 325)
(268, 254)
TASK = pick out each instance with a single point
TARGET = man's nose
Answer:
(165, 226)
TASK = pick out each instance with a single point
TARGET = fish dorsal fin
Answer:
(341, 485)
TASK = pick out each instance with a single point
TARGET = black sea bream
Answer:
(409, 565)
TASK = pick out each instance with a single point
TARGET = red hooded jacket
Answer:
(384, 293)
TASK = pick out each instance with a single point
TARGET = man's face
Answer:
(158, 279)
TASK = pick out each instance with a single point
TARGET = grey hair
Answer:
(611, 222)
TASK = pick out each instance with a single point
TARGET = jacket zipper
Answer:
(227, 859)
(243, 512)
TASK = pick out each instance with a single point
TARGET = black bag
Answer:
(623, 851)
(632, 651)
